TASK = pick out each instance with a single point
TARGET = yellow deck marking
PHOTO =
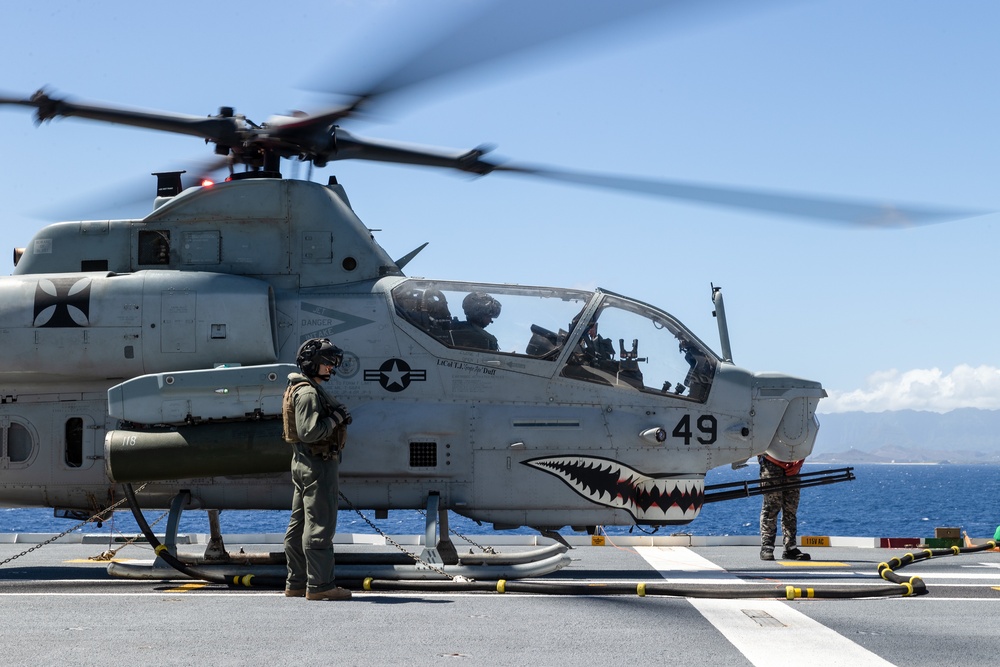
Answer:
(186, 587)
(99, 562)
(812, 563)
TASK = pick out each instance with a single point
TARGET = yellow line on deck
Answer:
(184, 588)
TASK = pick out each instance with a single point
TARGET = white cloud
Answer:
(921, 389)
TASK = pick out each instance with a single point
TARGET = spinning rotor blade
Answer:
(321, 120)
(349, 146)
(503, 29)
(824, 209)
(497, 30)
(309, 135)
(131, 196)
(222, 130)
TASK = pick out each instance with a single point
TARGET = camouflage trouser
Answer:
(786, 502)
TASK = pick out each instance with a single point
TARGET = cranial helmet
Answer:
(480, 307)
(316, 351)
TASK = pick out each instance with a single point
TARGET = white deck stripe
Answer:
(766, 632)
(811, 642)
(681, 565)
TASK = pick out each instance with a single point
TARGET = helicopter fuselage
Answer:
(157, 350)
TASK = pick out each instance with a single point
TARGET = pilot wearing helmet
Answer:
(315, 425)
(480, 311)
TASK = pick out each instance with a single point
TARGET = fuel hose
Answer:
(647, 589)
(886, 570)
(902, 586)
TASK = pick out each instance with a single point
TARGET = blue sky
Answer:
(893, 101)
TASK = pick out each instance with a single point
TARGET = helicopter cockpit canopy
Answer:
(597, 337)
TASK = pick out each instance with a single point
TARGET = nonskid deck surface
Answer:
(63, 607)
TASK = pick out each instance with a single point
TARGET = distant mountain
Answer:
(967, 435)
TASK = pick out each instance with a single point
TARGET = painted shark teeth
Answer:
(652, 500)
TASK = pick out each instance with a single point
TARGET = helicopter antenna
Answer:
(405, 259)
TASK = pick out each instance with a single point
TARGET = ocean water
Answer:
(884, 501)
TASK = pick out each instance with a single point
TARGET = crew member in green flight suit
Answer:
(315, 425)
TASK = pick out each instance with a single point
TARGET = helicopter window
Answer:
(154, 246)
(498, 318)
(94, 265)
(632, 346)
(74, 442)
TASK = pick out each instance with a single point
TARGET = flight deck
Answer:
(606, 606)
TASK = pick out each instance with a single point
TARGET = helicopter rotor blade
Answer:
(818, 208)
(320, 120)
(131, 196)
(824, 209)
(218, 129)
(7, 99)
(318, 139)
(496, 31)
(308, 135)
(349, 146)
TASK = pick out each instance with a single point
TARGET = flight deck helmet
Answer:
(316, 351)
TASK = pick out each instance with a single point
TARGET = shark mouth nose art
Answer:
(653, 500)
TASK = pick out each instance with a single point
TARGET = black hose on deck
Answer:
(642, 589)
(903, 587)
(885, 570)
(234, 580)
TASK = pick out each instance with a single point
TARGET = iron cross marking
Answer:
(62, 302)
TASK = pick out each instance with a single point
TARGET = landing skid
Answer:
(439, 562)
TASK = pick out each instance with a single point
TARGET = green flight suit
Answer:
(315, 476)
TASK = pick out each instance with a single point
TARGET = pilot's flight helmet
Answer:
(480, 307)
(316, 351)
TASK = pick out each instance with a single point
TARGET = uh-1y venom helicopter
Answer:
(156, 350)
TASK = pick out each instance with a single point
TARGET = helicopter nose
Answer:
(788, 404)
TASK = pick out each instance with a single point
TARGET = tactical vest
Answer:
(331, 444)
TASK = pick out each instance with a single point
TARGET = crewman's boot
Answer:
(332, 594)
(766, 553)
(795, 554)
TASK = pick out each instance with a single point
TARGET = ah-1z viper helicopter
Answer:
(156, 350)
